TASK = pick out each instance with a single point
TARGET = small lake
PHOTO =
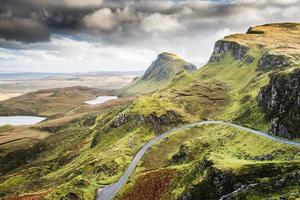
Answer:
(20, 120)
(100, 99)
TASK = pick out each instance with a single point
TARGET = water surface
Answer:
(100, 99)
(20, 120)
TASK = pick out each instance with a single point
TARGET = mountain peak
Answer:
(166, 66)
(161, 72)
(168, 55)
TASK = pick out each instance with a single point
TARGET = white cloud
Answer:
(105, 20)
(102, 19)
(157, 23)
(68, 55)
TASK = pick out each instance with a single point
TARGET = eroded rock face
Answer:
(156, 123)
(163, 122)
(272, 61)
(280, 101)
(237, 51)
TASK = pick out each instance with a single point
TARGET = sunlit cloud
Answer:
(97, 35)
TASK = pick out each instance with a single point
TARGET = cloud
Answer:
(24, 30)
(102, 19)
(61, 54)
(160, 23)
(117, 32)
(66, 3)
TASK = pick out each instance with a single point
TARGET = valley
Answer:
(228, 130)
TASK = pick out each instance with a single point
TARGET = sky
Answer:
(123, 35)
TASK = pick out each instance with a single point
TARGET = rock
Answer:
(280, 101)
(181, 155)
(161, 123)
(280, 183)
(237, 50)
(272, 61)
(156, 123)
(187, 196)
(120, 119)
(264, 157)
(252, 30)
(71, 196)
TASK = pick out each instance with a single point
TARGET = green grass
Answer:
(232, 151)
(65, 158)
(82, 156)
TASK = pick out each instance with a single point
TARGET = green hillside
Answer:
(159, 75)
(244, 82)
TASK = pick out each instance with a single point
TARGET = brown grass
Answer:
(37, 196)
(16, 138)
(150, 186)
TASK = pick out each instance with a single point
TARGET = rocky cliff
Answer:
(268, 49)
(237, 51)
(280, 101)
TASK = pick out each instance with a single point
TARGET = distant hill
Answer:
(159, 75)
(49, 102)
(43, 75)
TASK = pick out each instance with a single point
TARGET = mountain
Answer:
(159, 75)
(251, 80)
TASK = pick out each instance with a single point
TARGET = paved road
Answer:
(108, 192)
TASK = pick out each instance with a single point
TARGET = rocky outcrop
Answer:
(280, 101)
(272, 61)
(153, 121)
(164, 65)
(123, 118)
(253, 30)
(237, 51)
(162, 123)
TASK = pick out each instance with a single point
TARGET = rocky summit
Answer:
(166, 66)
(159, 75)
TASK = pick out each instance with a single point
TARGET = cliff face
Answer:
(237, 51)
(268, 49)
(268, 61)
(280, 101)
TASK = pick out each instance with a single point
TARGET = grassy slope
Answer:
(224, 90)
(235, 153)
(242, 82)
(64, 161)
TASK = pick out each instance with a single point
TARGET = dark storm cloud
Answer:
(131, 20)
(24, 30)
(93, 35)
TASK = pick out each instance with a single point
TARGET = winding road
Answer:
(108, 192)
